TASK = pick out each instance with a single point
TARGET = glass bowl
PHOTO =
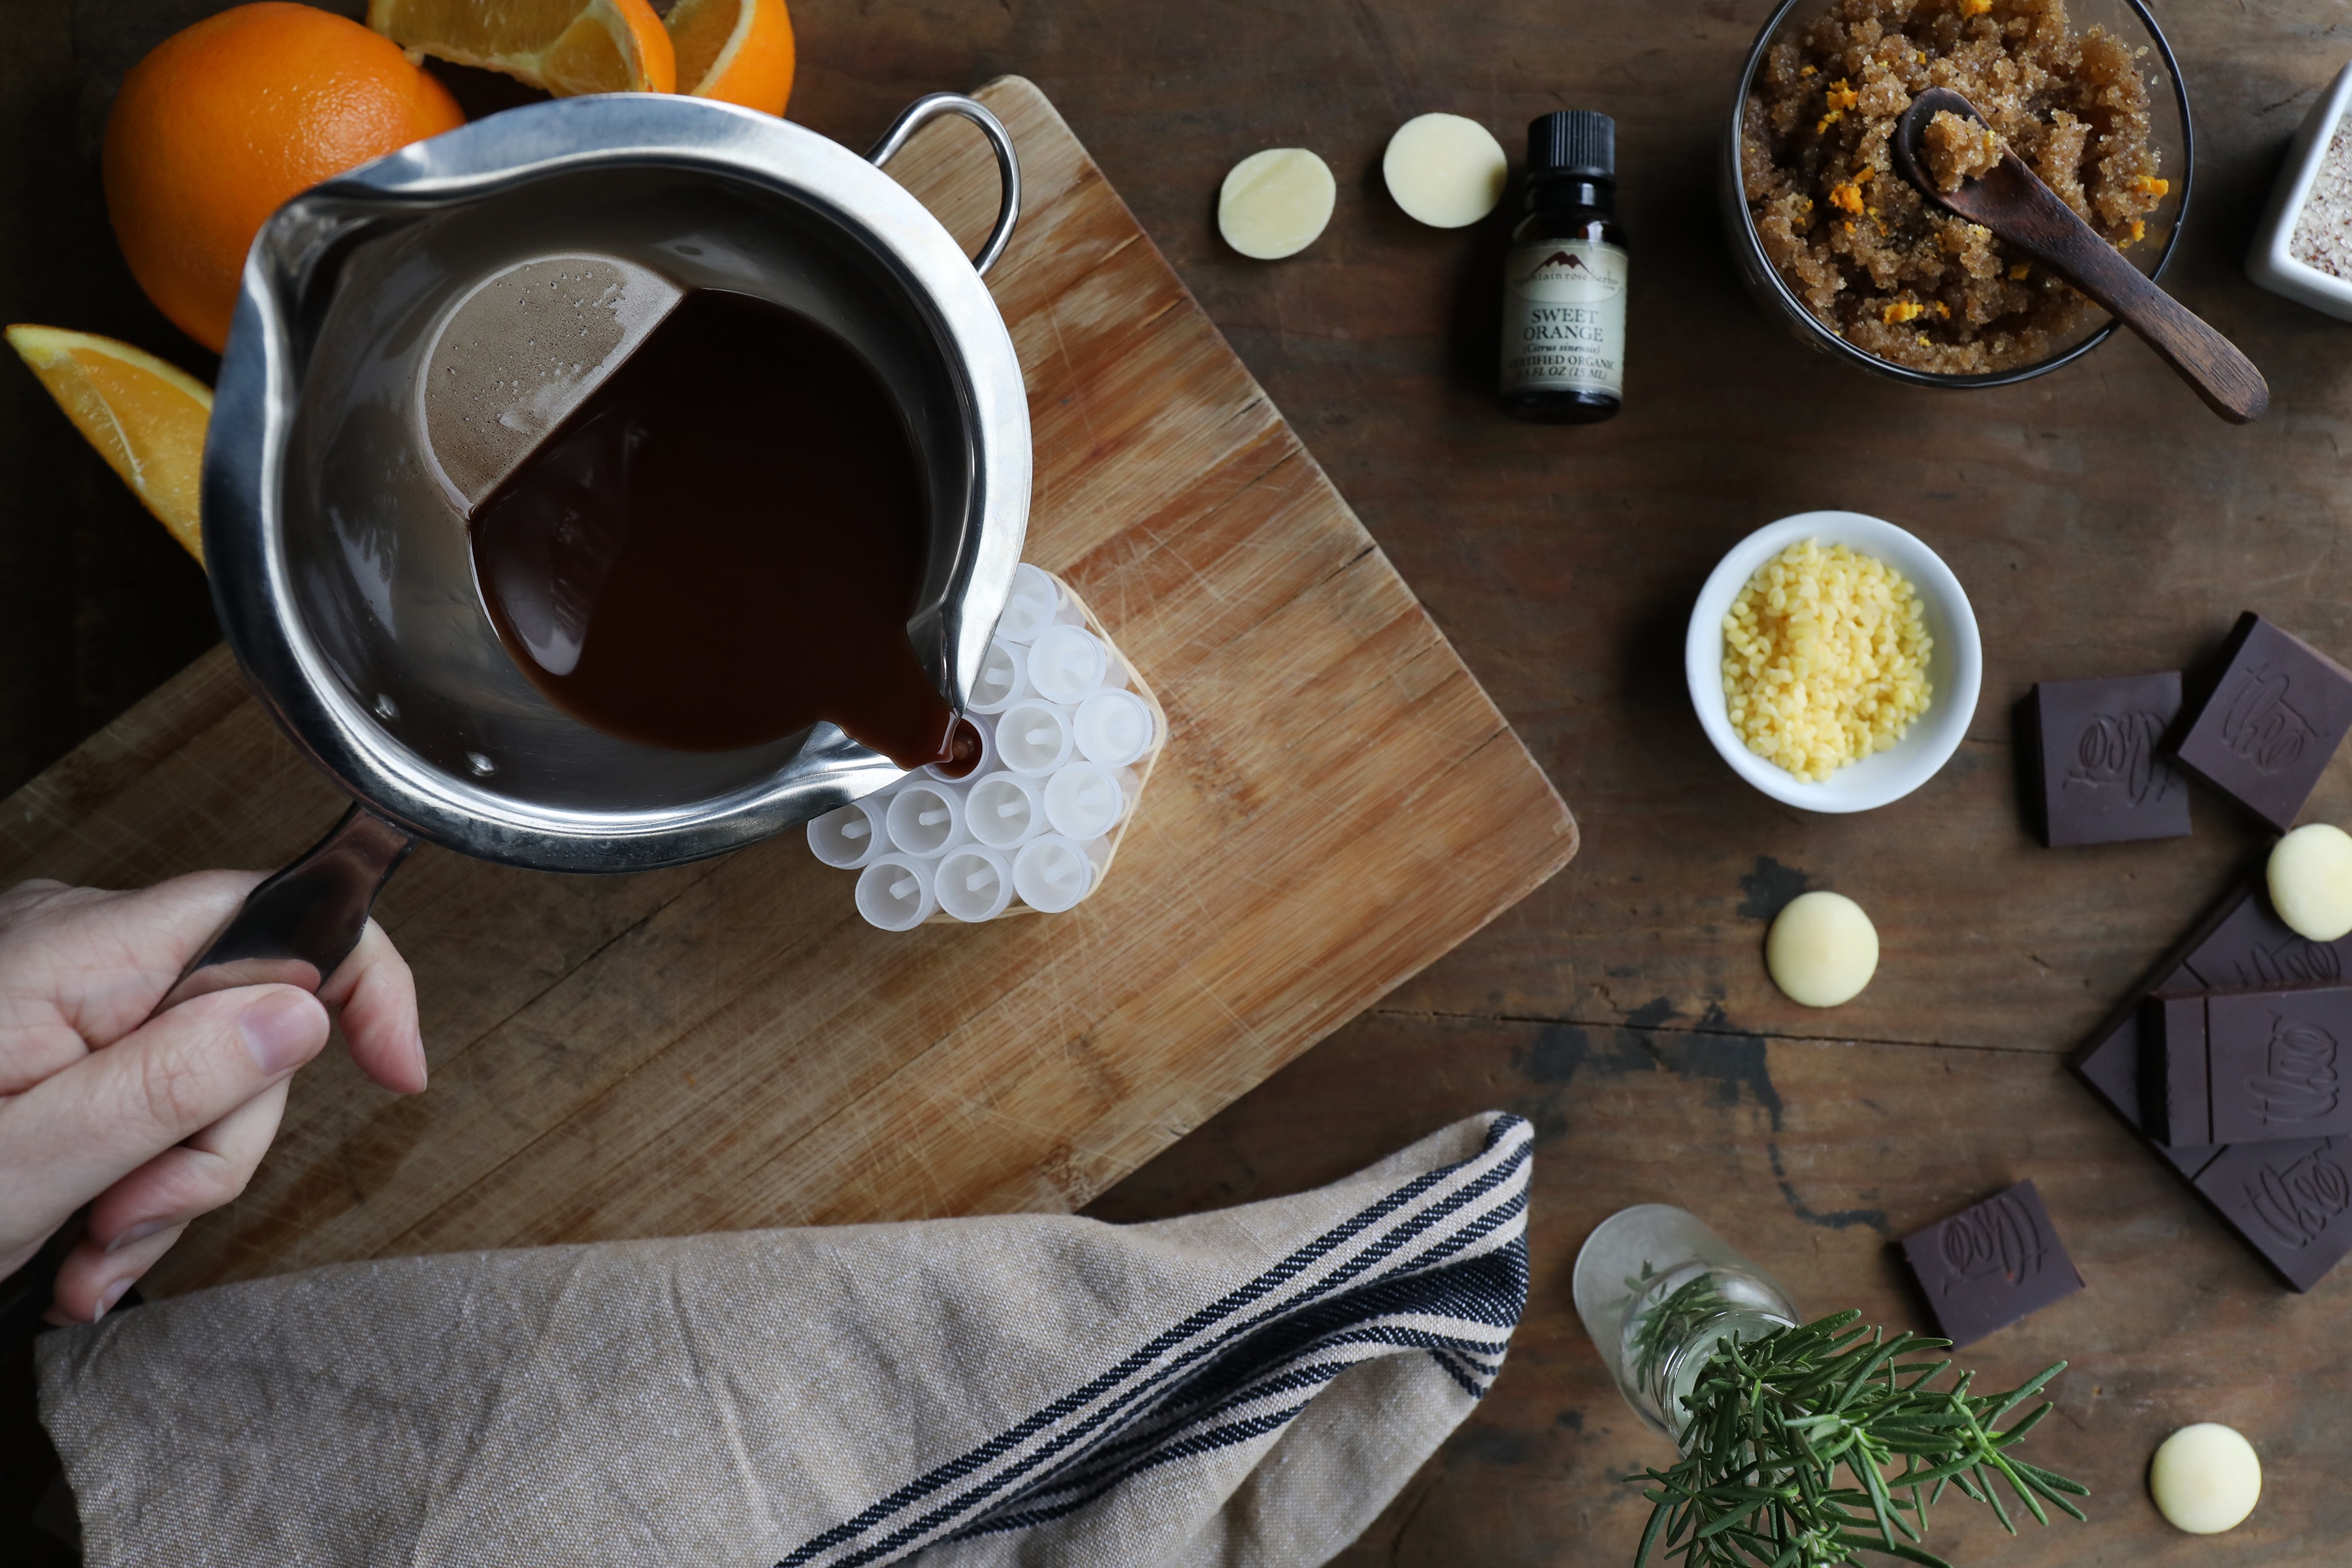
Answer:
(2169, 133)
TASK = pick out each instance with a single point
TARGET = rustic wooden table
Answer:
(2101, 520)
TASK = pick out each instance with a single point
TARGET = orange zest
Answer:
(568, 47)
(146, 418)
(737, 51)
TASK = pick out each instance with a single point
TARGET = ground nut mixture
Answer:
(2323, 233)
(1872, 259)
(1824, 658)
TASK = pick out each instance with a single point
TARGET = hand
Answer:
(154, 1122)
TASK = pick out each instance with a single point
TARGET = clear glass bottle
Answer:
(1564, 277)
(1658, 1291)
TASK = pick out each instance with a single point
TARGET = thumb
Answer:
(76, 1132)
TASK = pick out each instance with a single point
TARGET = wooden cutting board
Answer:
(726, 1045)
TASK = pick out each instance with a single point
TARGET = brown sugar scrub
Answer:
(1960, 148)
(1874, 261)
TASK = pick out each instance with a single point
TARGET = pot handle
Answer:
(296, 928)
(925, 110)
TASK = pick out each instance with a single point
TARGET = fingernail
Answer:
(139, 1232)
(281, 1030)
(106, 1301)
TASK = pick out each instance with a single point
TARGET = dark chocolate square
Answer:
(1986, 1267)
(2252, 950)
(2174, 1104)
(2286, 1201)
(2245, 1067)
(2267, 726)
(2097, 771)
(2110, 1065)
(2239, 945)
(2290, 1202)
(2274, 1063)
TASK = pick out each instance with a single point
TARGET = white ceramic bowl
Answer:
(2268, 260)
(1955, 664)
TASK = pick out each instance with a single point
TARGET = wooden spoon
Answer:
(2010, 200)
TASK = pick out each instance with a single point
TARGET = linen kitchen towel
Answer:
(1247, 1386)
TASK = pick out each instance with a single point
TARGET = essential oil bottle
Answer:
(1564, 277)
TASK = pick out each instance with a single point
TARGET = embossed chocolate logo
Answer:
(2260, 728)
(2118, 751)
(2297, 1203)
(1997, 1236)
(2290, 962)
(2300, 1084)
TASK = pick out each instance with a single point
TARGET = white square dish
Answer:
(2268, 259)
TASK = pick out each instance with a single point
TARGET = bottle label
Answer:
(1564, 317)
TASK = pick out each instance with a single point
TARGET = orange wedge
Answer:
(146, 418)
(568, 47)
(737, 51)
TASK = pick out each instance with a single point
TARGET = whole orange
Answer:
(225, 121)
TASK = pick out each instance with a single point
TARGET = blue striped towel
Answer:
(1250, 1386)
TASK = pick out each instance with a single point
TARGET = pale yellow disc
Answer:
(2311, 881)
(2205, 1479)
(1445, 170)
(1821, 949)
(1275, 202)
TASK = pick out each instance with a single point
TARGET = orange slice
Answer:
(737, 51)
(146, 418)
(568, 47)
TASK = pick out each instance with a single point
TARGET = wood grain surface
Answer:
(2101, 519)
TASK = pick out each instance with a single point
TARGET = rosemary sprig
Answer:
(1671, 1321)
(1773, 1421)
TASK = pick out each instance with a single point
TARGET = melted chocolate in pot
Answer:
(722, 544)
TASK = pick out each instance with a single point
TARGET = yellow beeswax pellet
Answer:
(1831, 653)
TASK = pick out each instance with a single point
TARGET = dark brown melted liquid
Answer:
(722, 545)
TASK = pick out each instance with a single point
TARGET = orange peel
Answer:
(146, 418)
(737, 51)
(568, 47)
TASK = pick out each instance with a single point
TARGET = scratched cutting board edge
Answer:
(725, 1046)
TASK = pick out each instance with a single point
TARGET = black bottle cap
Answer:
(1576, 143)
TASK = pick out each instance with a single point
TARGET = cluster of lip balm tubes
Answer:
(1067, 734)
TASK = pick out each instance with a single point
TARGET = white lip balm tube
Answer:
(1067, 664)
(1004, 678)
(851, 836)
(1004, 811)
(1033, 737)
(927, 820)
(974, 883)
(1085, 800)
(1037, 602)
(988, 762)
(1113, 728)
(1053, 873)
(897, 893)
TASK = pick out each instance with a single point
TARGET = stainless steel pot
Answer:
(340, 564)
